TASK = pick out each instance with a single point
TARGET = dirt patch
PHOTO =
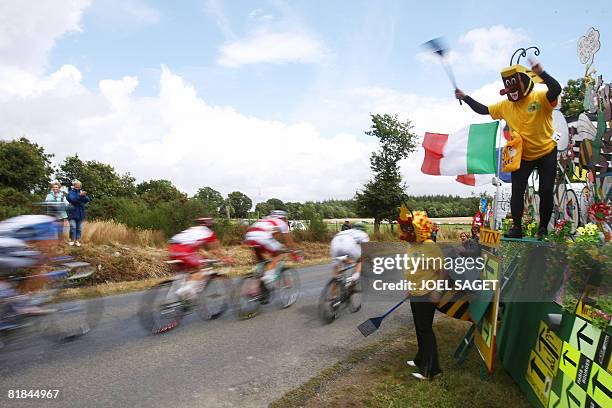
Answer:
(123, 263)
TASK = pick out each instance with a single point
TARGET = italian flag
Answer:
(470, 150)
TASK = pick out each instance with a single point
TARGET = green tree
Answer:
(239, 205)
(156, 191)
(380, 197)
(100, 180)
(24, 166)
(212, 200)
(276, 204)
(262, 209)
(573, 97)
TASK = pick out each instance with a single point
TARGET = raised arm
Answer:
(554, 88)
(475, 105)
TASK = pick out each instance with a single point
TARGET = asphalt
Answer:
(220, 363)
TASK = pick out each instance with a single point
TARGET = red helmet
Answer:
(204, 221)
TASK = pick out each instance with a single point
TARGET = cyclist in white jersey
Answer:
(348, 243)
(262, 237)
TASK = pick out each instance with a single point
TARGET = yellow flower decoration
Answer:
(422, 226)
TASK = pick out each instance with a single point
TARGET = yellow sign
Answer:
(599, 387)
(569, 360)
(490, 237)
(484, 337)
(585, 310)
(572, 396)
(548, 347)
(554, 400)
(585, 337)
(539, 377)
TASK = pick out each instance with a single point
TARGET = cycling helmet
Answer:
(204, 221)
(278, 214)
(360, 226)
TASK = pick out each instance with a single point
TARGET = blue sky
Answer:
(316, 66)
(371, 43)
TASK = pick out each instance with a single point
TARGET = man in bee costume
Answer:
(528, 113)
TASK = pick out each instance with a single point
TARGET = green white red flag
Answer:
(468, 151)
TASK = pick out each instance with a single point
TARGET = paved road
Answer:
(219, 363)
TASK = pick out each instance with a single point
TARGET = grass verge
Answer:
(378, 376)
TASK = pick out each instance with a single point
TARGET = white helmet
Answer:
(278, 214)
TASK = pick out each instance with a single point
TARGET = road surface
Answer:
(220, 363)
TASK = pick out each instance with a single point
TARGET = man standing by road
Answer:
(77, 199)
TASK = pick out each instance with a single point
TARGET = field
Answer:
(449, 227)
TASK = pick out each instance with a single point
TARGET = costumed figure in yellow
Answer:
(415, 227)
(528, 113)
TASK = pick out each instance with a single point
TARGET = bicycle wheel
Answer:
(214, 298)
(246, 296)
(329, 301)
(355, 294)
(73, 317)
(288, 287)
(161, 309)
(586, 199)
(532, 203)
(572, 209)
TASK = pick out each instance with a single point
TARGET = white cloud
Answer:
(125, 12)
(260, 15)
(482, 49)
(140, 11)
(28, 31)
(272, 47)
(215, 10)
(350, 108)
(491, 48)
(178, 136)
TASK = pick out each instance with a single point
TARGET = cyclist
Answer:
(262, 238)
(39, 231)
(348, 243)
(185, 246)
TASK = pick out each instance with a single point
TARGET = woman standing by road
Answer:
(77, 199)
(56, 207)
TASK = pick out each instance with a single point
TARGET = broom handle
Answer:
(451, 76)
(396, 306)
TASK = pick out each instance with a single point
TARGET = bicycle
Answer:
(63, 314)
(251, 292)
(162, 308)
(340, 292)
(565, 202)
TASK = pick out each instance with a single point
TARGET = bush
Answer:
(317, 229)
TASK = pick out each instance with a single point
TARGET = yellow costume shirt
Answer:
(427, 270)
(531, 118)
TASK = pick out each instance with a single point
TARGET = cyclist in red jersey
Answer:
(185, 247)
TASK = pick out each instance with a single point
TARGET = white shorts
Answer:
(268, 244)
(341, 246)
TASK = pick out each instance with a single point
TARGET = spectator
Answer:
(476, 233)
(434, 232)
(56, 207)
(77, 200)
(346, 226)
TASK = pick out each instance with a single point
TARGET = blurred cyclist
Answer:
(262, 237)
(184, 247)
(39, 231)
(348, 243)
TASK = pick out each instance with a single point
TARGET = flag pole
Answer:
(497, 177)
